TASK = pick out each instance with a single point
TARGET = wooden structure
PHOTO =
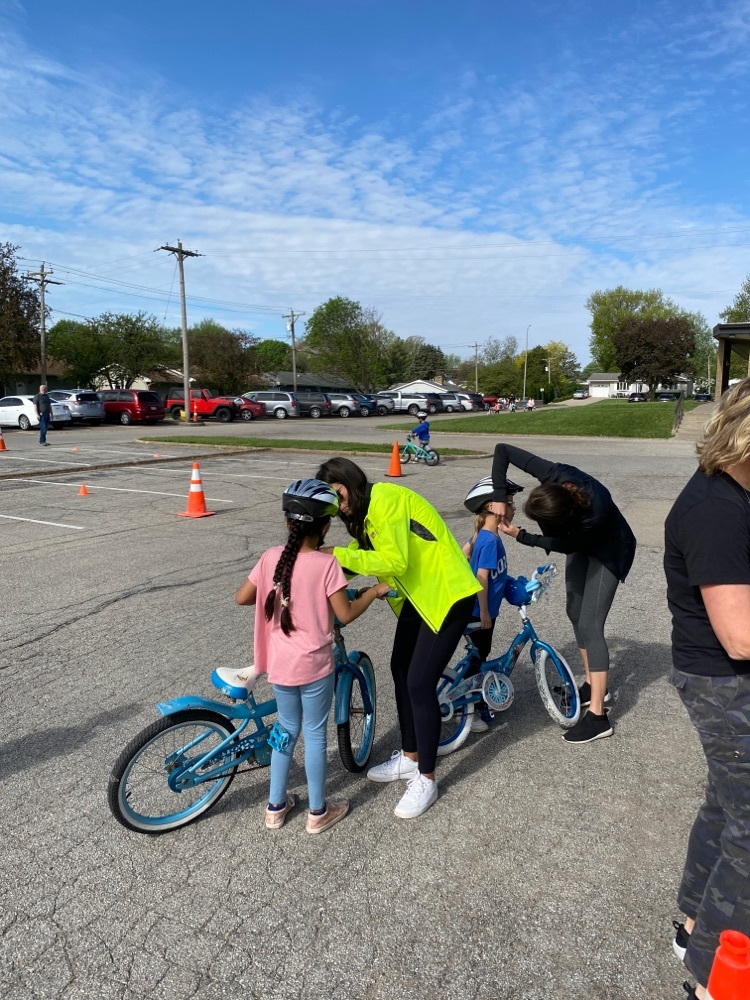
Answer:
(733, 338)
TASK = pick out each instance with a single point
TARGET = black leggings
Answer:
(418, 659)
(590, 590)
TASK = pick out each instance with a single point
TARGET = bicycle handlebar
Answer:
(541, 581)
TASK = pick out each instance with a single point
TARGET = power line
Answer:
(181, 254)
(42, 279)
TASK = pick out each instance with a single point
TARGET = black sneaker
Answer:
(584, 693)
(588, 728)
(690, 990)
(681, 938)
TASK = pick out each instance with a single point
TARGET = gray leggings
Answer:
(590, 589)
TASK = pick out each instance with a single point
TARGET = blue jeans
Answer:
(305, 707)
(43, 425)
(715, 888)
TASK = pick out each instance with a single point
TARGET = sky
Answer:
(469, 169)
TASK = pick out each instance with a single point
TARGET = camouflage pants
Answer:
(715, 888)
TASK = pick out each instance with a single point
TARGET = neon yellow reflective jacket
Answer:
(414, 551)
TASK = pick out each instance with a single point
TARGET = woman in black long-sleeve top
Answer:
(577, 516)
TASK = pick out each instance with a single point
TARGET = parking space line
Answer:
(51, 524)
(119, 489)
(121, 451)
(48, 461)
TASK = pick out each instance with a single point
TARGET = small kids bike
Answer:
(180, 766)
(491, 686)
(416, 453)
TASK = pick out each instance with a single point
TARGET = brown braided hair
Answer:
(282, 575)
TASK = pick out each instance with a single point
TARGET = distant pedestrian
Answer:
(43, 405)
(530, 405)
(707, 564)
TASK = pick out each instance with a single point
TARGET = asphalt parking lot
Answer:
(544, 870)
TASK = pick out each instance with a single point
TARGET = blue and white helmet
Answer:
(307, 499)
(481, 493)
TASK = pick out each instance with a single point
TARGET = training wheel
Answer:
(497, 691)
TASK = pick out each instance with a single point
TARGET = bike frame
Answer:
(412, 449)
(235, 749)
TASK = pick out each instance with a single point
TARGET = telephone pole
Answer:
(41, 278)
(292, 316)
(181, 255)
(476, 365)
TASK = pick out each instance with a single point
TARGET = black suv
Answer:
(313, 404)
(435, 402)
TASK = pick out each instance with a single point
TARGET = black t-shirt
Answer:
(707, 541)
(43, 403)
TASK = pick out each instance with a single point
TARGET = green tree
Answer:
(19, 319)
(273, 356)
(654, 350)
(81, 348)
(423, 359)
(495, 350)
(611, 309)
(135, 344)
(739, 311)
(222, 359)
(703, 361)
(345, 339)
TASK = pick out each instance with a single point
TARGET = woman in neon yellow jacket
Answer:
(401, 539)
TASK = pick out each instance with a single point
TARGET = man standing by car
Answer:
(43, 405)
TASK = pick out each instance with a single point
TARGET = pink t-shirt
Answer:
(304, 655)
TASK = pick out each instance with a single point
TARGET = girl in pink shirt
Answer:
(300, 589)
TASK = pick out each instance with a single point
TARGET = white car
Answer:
(580, 394)
(19, 411)
(465, 401)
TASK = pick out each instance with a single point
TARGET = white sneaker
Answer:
(478, 725)
(399, 766)
(420, 793)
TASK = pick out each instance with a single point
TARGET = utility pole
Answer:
(41, 278)
(181, 255)
(292, 316)
(476, 366)
(525, 361)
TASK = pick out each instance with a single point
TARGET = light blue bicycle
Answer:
(459, 694)
(179, 767)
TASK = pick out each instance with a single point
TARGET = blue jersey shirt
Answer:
(489, 553)
(422, 431)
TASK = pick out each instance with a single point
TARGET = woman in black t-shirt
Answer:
(578, 517)
(707, 564)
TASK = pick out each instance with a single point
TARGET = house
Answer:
(426, 385)
(609, 385)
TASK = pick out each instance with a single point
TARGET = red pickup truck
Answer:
(205, 403)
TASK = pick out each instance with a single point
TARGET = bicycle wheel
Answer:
(357, 734)
(557, 687)
(139, 794)
(432, 458)
(454, 727)
(404, 457)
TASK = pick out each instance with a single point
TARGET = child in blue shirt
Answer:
(422, 430)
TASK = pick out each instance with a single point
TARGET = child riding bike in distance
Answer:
(300, 590)
(486, 554)
(422, 430)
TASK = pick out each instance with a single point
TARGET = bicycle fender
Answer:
(175, 705)
(343, 688)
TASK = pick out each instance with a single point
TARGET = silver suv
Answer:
(344, 404)
(83, 404)
(278, 404)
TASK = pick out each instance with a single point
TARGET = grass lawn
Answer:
(605, 418)
(332, 447)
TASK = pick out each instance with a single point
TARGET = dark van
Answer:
(127, 405)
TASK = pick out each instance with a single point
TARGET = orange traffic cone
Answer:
(83, 492)
(730, 973)
(394, 469)
(2, 442)
(196, 501)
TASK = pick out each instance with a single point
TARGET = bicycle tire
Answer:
(128, 789)
(557, 687)
(432, 458)
(454, 731)
(356, 737)
(404, 457)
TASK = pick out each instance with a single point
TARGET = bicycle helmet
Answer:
(307, 499)
(481, 493)
(422, 414)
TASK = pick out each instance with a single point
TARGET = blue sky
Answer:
(465, 168)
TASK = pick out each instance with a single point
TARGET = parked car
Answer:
(703, 397)
(405, 402)
(344, 404)
(277, 403)
(314, 404)
(84, 404)
(489, 401)
(581, 394)
(249, 409)
(638, 397)
(204, 404)
(467, 402)
(451, 402)
(666, 397)
(127, 405)
(385, 404)
(368, 404)
(19, 411)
